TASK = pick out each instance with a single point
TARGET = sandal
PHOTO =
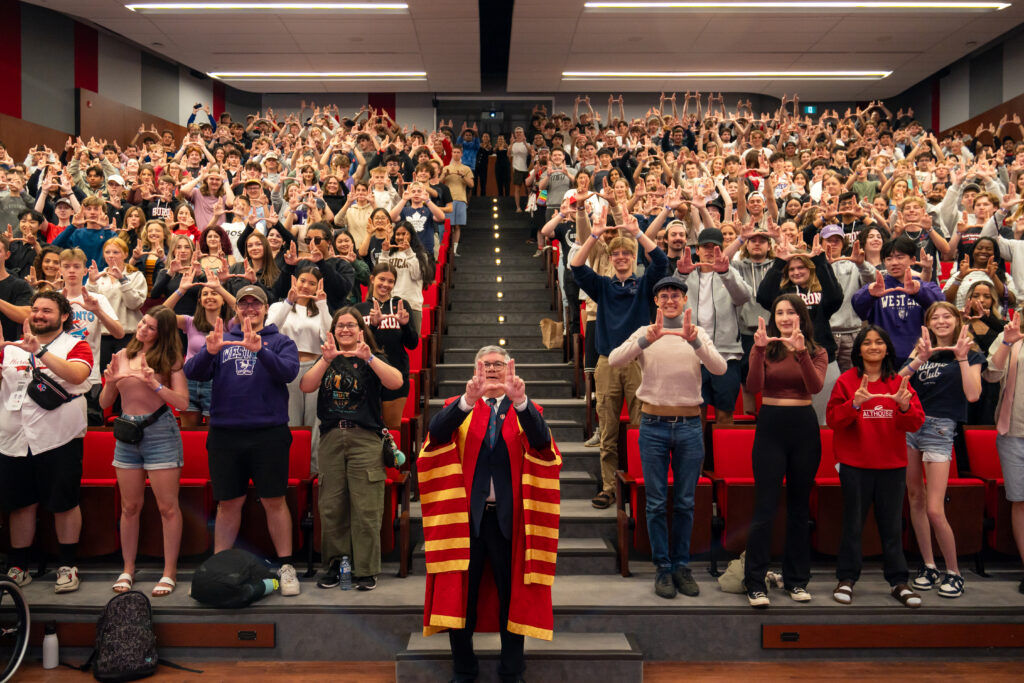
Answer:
(843, 594)
(124, 583)
(165, 586)
(603, 500)
(906, 595)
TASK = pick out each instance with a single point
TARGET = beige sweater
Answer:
(670, 366)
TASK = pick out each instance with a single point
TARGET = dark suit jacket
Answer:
(491, 461)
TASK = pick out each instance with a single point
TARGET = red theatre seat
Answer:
(631, 493)
(965, 511)
(983, 457)
(733, 480)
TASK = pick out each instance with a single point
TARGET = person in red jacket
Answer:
(870, 412)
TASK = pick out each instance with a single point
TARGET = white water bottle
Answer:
(51, 648)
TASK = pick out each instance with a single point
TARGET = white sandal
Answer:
(165, 586)
(124, 583)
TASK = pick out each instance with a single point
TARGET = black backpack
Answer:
(231, 579)
(125, 642)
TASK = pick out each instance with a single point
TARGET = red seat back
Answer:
(633, 464)
(982, 453)
(416, 359)
(430, 296)
(827, 466)
(98, 455)
(299, 455)
(732, 449)
(197, 463)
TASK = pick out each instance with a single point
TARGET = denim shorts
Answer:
(458, 214)
(160, 448)
(199, 394)
(934, 439)
(1011, 457)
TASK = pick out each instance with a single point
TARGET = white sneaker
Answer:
(67, 580)
(289, 580)
(19, 576)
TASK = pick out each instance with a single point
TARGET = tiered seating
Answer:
(631, 500)
(984, 459)
(827, 508)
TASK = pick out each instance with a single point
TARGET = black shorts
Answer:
(395, 394)
(52, 478)
(238, 455)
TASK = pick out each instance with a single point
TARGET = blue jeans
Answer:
(679, 445)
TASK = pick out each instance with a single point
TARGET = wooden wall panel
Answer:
(1010, 107)
(103, 118)
(19, 135)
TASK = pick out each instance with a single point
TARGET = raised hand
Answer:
(656, 330)
(28, 341)
(215, 340)
(720, 263)
(923, 349)
(250, 339)
(963, 343)
(402, 314)
(375, 314)
(249, 273)
(965, 267)
(862, 394)
(910, 285)
(329, 349)
(689, 331)
(320, 295)
(1012, 333)
(761, 337)
(515, 387)
(94, 272)
(362, 349)
(903, 395)
(477, 385)
(877, 288)
(89, 302)
(685, 265)
(291, 257)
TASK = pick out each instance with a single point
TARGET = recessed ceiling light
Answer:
(319, 75)
(728, 75)
(264, 6)
(801, 4)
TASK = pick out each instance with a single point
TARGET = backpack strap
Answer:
(164, 662)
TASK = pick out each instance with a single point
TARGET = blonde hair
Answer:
(123, 246)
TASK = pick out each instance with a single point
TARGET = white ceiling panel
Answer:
(438, 36)
(912, 44)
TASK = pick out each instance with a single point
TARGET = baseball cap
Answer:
(253, 181)
(271, 155)
(254, 291)
(115, 178)
(710, 236)
(831, 230)
(670, 281)
(972, 186)
(62, 200)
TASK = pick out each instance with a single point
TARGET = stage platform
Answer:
(987, 623)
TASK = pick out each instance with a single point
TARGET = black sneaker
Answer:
(952, 586)
(366, 583)
(926, 579)
(682, 577)
(664, 586)
(758, 598)
(331, 578)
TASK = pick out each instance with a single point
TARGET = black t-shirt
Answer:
(394, 339)
(16, 292)
(565, 233)
(349, 390)
(444, 195)
(939, 385)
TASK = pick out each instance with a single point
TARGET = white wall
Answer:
(120, 71)
(415, 110)
(1013, 69)
(955, 96)
(190, 91)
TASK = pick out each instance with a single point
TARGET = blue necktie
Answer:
(492, 425)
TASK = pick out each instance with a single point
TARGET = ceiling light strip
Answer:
(802, 4)
(738, 75)
(275, 6)
(320, 75)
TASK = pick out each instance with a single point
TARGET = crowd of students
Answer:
(722, 254)
(799, 260)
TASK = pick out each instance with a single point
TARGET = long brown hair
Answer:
(367, 334)
(813, 284)
(165, 354)
(777, 350)
(270, 270)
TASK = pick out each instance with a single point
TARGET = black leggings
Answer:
(787, 444)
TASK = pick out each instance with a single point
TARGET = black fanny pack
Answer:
(44, 390)
(131, 432)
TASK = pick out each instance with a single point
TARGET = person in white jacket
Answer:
(125, 288)
(304, 318)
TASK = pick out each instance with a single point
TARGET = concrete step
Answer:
(577, 483)
(578, 519)
(498, 315)
(528, 371)
(506, 329)
(508, 275)
(485, 337)
(538, 389)
(575, 556)
(568, 657)
(505, 307)
(456, 352)
(467, 293)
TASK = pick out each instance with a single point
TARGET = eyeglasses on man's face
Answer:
(494, 365)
